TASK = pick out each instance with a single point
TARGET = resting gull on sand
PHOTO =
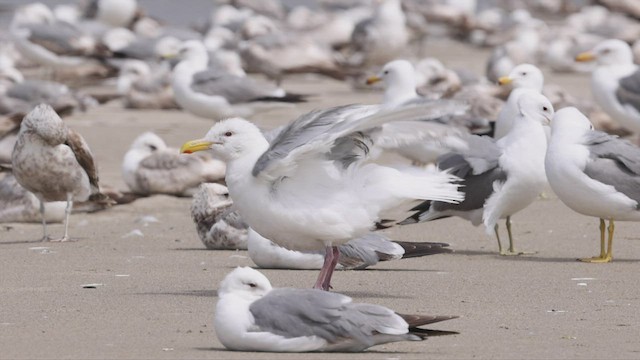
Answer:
(593, 173)
(309, 189)
(20, 205)
(615, 83)
(214, 93)
(500, 177)
(55, 163)
(219, 226)
(358, 253)
(150, 167)
(253, 316)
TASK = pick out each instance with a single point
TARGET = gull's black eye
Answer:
(545, 108)
(228, 133)
(253, 285)
(606, 51)
(523, 73)
(153, 147)
(386, 72)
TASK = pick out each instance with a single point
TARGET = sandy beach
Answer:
(153, 296)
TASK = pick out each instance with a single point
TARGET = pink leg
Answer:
(336, 256)
(330, 261)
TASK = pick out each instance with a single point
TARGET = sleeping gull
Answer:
(523, 76)
(19, 205)
(593, 173)
(615, 83)
(219, 226)
(500, 177)
(309, 189)
(145, 88)
(253, 316)
(150, 167)
(214, 93)
(55, 163)
(358, 253)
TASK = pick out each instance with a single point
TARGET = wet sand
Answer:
(156, 293)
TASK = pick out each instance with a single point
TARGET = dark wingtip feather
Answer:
(288, 97)
(418, 249)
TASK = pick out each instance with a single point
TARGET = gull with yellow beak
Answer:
(523, 76)
(310, 187)
(500, 177)
(615, 83)
(594, 174)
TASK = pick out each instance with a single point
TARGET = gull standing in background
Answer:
(252, 316)
(615, 83)
(309, 188)
(500, 177)
(593, 173)
(523, 76)
(55, 163)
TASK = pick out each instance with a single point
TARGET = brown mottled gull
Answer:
(54, 163)
(150, 167)
(219, 226)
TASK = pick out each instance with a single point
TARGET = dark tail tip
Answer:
(418, 249)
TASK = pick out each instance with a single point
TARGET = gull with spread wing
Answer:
(309, 188)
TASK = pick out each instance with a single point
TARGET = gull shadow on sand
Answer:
(533, 257)
(197, 293)
(297, 355)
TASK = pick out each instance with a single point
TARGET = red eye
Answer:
(228, 133)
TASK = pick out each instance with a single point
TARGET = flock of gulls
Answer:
(312, 194)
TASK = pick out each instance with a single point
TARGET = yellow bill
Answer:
(195, 145)
(373, 79)
(505, 80)
(585, 56)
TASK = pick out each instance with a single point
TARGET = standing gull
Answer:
(523, 76)
(615, 83)
(309, 188)
(500, 177)
(55, 163)
(252, 316)
(214, 93)
(150, 167)
(593, 173)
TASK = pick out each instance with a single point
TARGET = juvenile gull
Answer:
(358, 253)
(523, 76)
(252, 316)
(55, 163)
(219, 226)
(150, 167)
(214, 93)
(593, 173)
(500, 177)
(615, 83)
(309, 188)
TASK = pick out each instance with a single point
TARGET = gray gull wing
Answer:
(628, 93)
(320, 131)
(306, 312)
(614, 162)
(235, 89)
